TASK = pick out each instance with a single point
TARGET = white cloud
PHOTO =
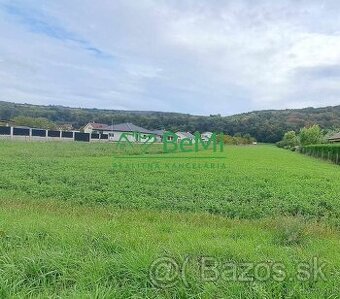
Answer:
(189, 56)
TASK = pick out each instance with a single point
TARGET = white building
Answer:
(206, 136)
(185, 135)
(120, 132)
(95, 128)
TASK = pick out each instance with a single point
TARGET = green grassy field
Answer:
(84, 221)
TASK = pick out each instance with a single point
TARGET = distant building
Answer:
(132, 132)
(160, 134)
(206, 136)
(185, 135)
(334, 138)
(65, 127)
(6, 122)
(95, 128)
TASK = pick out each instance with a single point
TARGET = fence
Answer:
(49, 135)
(330, 152)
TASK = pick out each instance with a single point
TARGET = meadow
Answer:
(84, 220)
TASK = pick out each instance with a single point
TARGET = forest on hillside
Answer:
(265, 126)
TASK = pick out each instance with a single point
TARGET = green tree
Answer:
(311, 135)
(290, 139)
(40, 122)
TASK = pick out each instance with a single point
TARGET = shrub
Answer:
(311, 135)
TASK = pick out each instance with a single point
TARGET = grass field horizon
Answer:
(75, 224)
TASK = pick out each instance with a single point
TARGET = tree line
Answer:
(312, 135)
(265, 126)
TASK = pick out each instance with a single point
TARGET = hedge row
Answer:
(330, 152)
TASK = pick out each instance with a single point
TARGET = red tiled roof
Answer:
(97, 126)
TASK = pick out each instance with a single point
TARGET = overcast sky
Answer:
(198, 56)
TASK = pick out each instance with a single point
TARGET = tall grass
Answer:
(63, 250)
(74, 225)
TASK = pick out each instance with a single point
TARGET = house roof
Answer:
(128, 127)
(97, 126)
(335, 136)
(186, 135)
(123, 127)
(158, 132)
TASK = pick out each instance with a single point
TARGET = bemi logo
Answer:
(171, 142)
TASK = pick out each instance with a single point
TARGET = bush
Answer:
(306, 136)
(311, 135)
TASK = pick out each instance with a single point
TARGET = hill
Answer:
(265, 126)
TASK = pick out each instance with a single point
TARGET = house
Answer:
(134, 133)
(160, 133)
(180, 135)
(131, 132)
(65, 127)
(95, 128)
(334, 138)
(206, 136)
(185, 135)
(6, 122)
